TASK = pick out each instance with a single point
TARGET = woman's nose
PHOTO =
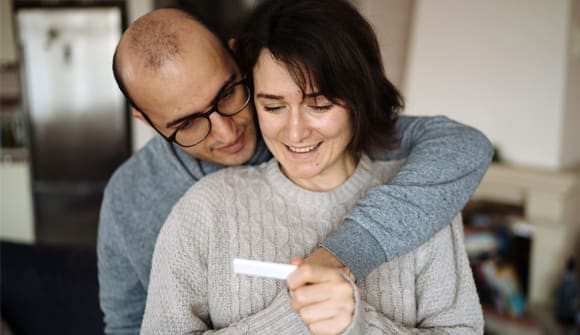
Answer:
(297, 127)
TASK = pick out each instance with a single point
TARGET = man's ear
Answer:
(232, 44)
(137, 114)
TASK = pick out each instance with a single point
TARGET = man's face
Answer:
(189, 84)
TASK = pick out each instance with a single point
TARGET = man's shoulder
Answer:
(149, 175)
(149, 161)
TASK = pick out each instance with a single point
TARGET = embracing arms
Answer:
(444, 163)
(429, 291)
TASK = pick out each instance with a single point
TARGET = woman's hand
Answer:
(321, 296)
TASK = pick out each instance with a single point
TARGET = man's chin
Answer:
(240, 157)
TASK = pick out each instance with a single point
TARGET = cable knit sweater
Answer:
(257, 213)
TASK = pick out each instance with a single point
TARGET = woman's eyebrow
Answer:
(312, 95)
(269, 96)
(278, 97)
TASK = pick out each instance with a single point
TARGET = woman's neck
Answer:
(329, 178)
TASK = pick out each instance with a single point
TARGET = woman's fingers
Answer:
(332, 326)
(318, 293)
(311, 274)
(322, 297)
(318, 312)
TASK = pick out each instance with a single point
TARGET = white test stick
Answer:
(263, 269)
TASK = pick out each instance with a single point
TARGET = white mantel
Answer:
(551, 202)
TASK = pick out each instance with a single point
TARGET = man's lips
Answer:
(234, 147)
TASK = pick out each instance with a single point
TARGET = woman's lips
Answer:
(303, 149)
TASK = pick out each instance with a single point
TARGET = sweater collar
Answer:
(355, 184)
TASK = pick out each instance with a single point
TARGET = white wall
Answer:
(16, 218)
(571, 126)
(499, 65)
(391, 20)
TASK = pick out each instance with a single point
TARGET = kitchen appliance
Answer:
(78, 122)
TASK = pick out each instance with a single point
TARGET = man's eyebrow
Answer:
(213, 101)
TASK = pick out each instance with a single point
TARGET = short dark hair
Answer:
(328, 43)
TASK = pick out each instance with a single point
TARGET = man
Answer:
(181, 81)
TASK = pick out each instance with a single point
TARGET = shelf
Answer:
(550, 206)
(8, 155)
(498, 324)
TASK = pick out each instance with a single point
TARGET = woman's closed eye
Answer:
(320, 108)
(273, 108)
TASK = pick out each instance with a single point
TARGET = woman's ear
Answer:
(232, 44)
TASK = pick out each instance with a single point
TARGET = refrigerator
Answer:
(77, 119)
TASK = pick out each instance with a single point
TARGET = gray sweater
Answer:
(257, 213)
(445, 162)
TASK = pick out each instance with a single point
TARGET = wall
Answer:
(501, 66)
(570, 134)
(391, 20)
(16, 218)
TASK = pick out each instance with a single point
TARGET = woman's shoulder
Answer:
(223, 182)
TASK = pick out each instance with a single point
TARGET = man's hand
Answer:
(321, 296)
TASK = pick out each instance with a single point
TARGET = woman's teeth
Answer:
(303, 149)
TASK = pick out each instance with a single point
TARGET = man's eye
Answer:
(186, 124)
(227, 94)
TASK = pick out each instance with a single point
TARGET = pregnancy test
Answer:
(263, 269)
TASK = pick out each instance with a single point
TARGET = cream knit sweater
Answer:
(257, 213)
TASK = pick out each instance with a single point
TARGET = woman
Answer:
(324, 107)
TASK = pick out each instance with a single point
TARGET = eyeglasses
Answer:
(193, 129)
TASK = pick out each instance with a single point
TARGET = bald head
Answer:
(159, 38)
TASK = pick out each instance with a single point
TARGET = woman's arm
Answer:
(177, 300)
(444, 163)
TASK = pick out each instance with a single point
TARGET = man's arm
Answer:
(444, 163)
(121, 294)
(446, 300)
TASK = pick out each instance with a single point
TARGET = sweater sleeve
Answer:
(177, 301)
(444, 163)
(121, 293)
(446, 297)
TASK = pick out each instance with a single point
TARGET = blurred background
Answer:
(510, 68)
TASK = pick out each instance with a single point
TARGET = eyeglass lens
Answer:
(231, 102)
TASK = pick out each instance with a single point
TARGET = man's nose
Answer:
(223, 128)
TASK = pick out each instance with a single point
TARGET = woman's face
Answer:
(307, 133)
